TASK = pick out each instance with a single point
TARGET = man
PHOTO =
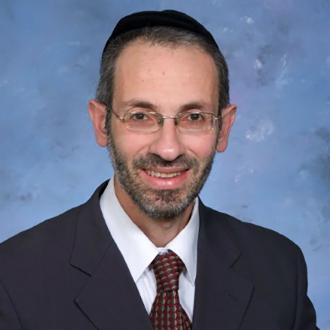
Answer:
(144, 252)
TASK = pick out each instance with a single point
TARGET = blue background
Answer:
(276, 172)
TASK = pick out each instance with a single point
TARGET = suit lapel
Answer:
(222, 295)
(109, 298)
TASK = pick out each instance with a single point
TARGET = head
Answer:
(165, 36)
(168, 70)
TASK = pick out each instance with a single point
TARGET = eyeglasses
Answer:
(190, 121)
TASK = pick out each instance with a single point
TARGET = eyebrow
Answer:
(200, 105)
(194, 105)
(137, 103)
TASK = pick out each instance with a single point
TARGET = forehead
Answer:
(159, 72)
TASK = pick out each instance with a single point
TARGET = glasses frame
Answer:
(161, 118)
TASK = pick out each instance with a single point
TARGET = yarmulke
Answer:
(170, 18)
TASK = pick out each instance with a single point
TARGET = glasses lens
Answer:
(141, 120)
(195, 121)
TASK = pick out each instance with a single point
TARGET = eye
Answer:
(138, 116)
(194, 116)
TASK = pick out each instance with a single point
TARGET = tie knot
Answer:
(167, 268)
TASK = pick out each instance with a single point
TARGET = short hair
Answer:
(158, 35)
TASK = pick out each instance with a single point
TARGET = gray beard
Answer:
(159, 204)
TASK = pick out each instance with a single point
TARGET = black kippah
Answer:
(170, 18)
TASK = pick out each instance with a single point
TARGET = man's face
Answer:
(162, 172)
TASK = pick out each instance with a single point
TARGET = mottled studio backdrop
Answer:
(276, 172)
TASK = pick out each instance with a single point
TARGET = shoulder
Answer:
(262, 255)
(248, 237)
(30, 260)
(270, 261)
(56, 234)
(51, 234)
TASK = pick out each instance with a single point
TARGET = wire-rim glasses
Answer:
(146, 121)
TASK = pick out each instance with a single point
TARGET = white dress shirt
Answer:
(138, 251)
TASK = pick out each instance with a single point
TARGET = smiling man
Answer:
(144, 252)
(162, 142)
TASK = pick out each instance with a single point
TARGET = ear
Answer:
(97, 113)
(228, 116)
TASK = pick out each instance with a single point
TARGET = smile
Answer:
(163, 175)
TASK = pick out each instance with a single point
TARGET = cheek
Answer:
(201, 147)
(131, 145)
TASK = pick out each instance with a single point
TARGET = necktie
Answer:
(166, 312)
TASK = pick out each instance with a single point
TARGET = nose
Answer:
(167, 143)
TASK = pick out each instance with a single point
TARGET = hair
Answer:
(158, 35)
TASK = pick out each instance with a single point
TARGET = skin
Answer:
(166, 79)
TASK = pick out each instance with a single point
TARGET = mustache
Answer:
(153, 160)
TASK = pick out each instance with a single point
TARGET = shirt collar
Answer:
(136, 248)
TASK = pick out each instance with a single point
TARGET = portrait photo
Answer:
(185, 138)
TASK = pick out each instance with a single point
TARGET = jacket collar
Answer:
(110, 297)
(110, 294)
(222, 294)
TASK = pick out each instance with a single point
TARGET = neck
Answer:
(159, 231)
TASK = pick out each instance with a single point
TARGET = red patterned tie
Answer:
(166, 312)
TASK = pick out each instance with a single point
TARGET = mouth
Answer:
(163, 175)
(165, 178)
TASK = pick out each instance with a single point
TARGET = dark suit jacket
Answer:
(68, 274)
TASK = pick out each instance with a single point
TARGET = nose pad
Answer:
(167, 143)
(162, 119)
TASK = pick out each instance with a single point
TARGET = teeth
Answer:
(163, 175)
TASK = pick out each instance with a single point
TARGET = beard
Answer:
(155, 203)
